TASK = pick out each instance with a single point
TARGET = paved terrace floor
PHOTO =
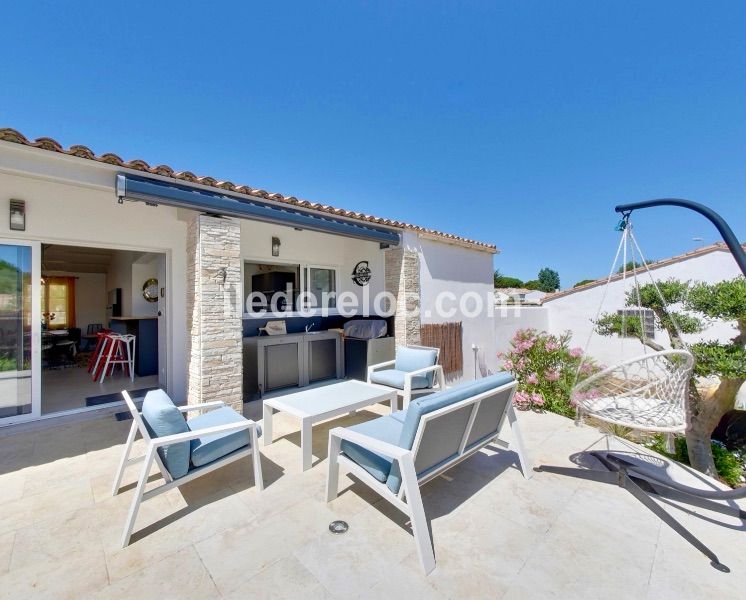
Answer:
(496, 534)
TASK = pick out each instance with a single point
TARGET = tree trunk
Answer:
(704, 414)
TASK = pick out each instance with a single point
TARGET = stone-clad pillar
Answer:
(403, 281)
(214, 340)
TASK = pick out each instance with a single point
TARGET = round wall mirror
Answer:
(150, 290)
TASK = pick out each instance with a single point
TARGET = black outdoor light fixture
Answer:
(275, 246)
(18, 215)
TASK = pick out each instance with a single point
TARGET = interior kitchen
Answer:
(100, 322)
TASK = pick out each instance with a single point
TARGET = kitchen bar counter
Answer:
(145, 330)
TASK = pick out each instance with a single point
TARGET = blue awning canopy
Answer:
(155, 191)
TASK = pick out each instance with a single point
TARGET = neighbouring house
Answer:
(94, 242)
(575, 309)
(518, 296)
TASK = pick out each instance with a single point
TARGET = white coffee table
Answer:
(322, 403)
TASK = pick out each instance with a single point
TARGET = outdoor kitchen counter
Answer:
(289, 360)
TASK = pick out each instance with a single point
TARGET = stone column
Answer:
(403, 281)
(214, 340)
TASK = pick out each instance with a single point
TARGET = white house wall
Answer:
(575, 311)
(450, 268)
(314, 248)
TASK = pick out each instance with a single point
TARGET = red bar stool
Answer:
(102, 343)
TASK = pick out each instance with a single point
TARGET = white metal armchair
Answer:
(183, 449)
(414, 371)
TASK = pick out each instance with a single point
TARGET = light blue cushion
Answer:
(214, 446)
(395, 379)
(386, 429)
(413, 359)
(428, 404)
(162, 418)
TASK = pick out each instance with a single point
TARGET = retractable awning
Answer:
(155, 191)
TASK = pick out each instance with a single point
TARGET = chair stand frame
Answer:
(617, 472)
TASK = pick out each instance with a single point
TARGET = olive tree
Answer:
(687, 309)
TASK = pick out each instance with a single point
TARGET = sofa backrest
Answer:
(455, 427)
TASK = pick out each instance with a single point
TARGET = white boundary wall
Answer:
(448, 268)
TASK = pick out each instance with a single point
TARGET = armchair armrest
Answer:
(193, 435)
(200, 407)
(434, 368)
(370, 443)
(376, 367)
(422, 371)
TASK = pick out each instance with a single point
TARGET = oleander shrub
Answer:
(546, 368)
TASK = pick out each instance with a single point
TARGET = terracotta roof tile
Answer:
(718, 247)
(51, 145)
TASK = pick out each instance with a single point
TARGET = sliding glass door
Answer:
(20, 329)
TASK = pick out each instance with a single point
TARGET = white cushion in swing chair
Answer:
(636, 412)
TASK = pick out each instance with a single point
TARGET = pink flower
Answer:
(576, 352)
(508, 364)
(586, 368)
(521, 399)
(552, 375)
(521, 364)
(532, 379)
(537, 399)
(551, 346)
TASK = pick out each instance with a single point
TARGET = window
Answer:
(321, 282)
(58, 302)
(276, 286)
(639, 315)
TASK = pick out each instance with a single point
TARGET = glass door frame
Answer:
(35, 330)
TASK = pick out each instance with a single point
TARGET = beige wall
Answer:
(72, 201)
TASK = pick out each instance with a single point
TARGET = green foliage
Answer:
(545, 367)
(532, 284)
(724, 300)
(613, 323)
(7, 363)
(8, 278)
(507, 282)
(549, 280)
(713, 358)
(632, 265)
(583, 282)
(672, 290)
(730, 465)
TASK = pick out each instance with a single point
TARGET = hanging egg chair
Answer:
(648, 392)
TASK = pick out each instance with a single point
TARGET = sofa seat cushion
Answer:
(211, 447)
(395, 379)
(162, 418)
(386, 429)
(413, 359)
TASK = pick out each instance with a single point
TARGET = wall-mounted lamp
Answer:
(275, 246)
(18, 215)
(222, 275)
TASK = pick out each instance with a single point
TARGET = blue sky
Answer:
(521, 123)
